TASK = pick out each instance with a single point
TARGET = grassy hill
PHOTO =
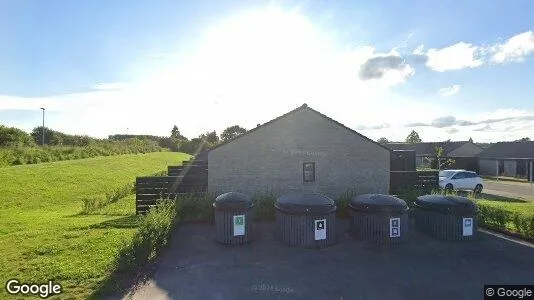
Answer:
(43, 236)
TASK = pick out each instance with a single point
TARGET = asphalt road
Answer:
(518, 190)
(196, 267)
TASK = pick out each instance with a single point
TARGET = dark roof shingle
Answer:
(509, 150)
(302, 107)
(429, 148)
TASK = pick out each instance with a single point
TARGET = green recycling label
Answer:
(239, 225)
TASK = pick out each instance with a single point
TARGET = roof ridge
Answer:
(304, 106)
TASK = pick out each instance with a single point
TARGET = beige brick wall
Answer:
(271, 158)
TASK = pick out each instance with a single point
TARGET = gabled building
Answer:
(425, 152)
(514, 159)
(300, 151)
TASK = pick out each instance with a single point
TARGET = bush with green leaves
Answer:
(14, 137)
(264, 206)
(502, 220)
(20, 155)
(90, 204)
(151, 238)
(494, 217)
(191, 207)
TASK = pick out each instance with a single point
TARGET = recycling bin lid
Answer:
(378, 203)
(232, 200)
(305, 203)
(445, 203)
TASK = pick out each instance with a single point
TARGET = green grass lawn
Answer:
(521, 207)
(512, 206)
(507, 180)
(42, 234)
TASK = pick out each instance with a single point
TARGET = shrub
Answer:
(152, 236)
(494, 217)
(92, 204)
(524, 225)
(18, 161)
(410, 194)
(342, 203)
(17, 154)
(193, 208)
(119, 193)
(264, 206)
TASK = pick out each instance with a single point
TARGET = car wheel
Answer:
(478, 189)
(449, 187)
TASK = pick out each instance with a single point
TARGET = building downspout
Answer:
(531, 163)
(497, 169)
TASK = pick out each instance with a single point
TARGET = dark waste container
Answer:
(233, 218)
(451, 218)
(379, 218)
(306, 220)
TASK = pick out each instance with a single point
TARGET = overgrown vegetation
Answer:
(40, 213)
(94, 203)
(151, 237)
(20, 148)
(91, 204)
(22, 155)
(507, 215)
(194, 208)
(342, 203)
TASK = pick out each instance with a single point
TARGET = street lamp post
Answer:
(43, 128)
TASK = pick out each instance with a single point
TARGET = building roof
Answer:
(511, 150)
(428, 149)
(301, 108)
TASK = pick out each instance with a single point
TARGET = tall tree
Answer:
(232, 132)
(11, 136)
(382, 141)
(525, 139)
(175, 133)
(210, 137)
(413, 138)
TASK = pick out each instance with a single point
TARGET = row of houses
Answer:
(513, 159)
(306, 151)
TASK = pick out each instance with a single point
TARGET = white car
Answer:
(460, 180)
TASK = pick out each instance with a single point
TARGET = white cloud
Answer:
(490, 126)
(110, 86)
(466, 55)
(245, 71)
(449, 91)
(456, 57)
(515, 48)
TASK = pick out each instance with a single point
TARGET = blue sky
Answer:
(449, 70)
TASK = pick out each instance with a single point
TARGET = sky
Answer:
(448, 70)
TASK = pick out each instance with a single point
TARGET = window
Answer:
(460, 175)
(308, 171)
(446, 174)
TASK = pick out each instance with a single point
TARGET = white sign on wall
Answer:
(320, 229)
(239, 225)
(394, 227)
(467, 226)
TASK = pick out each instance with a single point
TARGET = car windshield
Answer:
(446, 174)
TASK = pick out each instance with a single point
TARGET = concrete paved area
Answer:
(196, 267)
(512, 190)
